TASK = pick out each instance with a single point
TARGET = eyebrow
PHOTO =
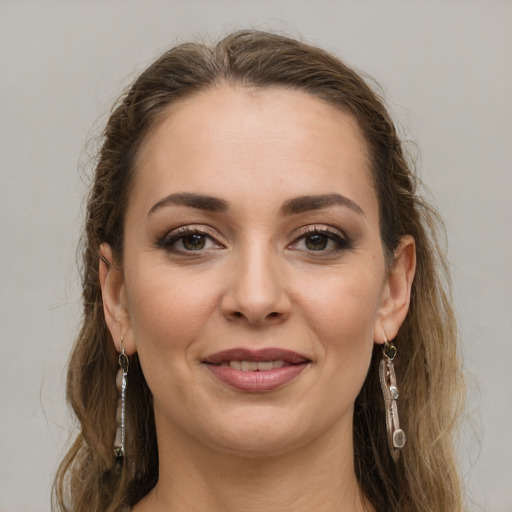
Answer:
(199, 201)
(317, 202)
(290, 207)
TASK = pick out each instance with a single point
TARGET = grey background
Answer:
(446, 68)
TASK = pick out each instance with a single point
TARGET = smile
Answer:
(256, 371)
(254, 366)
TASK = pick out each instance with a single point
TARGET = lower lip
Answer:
(257, 381)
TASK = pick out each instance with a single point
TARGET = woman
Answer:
(257, 268)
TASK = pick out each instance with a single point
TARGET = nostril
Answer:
(273, 314)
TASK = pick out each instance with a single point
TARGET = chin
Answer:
(262, 433)
(257, 443)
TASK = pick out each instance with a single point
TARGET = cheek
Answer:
(168, 310)
(346, 302)
(342, 315)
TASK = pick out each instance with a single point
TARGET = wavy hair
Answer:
(425, 478)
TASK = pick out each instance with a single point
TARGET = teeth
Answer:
(236, 365)
(252, 366)
(249, 366)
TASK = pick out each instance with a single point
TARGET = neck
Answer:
(319, 476)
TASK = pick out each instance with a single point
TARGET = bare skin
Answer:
(253, 223)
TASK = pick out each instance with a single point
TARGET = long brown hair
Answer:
(425, 478)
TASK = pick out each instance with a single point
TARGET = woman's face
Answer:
(253, 276)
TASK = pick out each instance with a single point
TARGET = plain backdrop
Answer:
(446, 69)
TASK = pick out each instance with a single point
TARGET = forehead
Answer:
(267, 140)
(239, 111)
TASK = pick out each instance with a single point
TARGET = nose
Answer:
(256, 292)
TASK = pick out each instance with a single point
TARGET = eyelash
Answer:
(168, 241)
(342, 242)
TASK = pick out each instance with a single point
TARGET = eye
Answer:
(193, 242)
(188, 239)
(321, 240)
(317, 242)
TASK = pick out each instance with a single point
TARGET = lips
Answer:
(256, 370)
(262, 355)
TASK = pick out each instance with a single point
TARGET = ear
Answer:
(113, 292)
(396, 293)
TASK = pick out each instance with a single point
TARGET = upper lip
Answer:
(261, 355)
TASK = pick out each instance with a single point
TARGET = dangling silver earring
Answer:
(121, 380)
(396, 436)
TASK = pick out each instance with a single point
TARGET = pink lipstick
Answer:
(256, 370)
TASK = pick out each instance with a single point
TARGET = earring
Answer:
(396, 436)
(121, 380)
